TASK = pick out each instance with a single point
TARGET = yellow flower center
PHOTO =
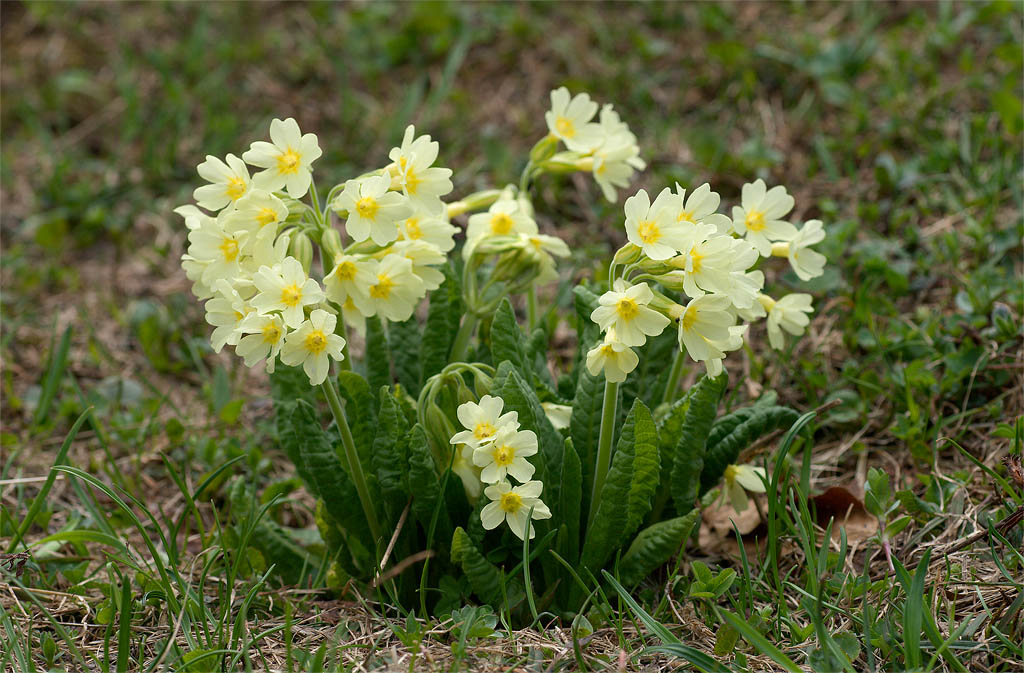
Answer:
(627, 308)
(315, 342)
(648, 231)
(565, 127)
(382, 288)
(266, 216)
(695, 258)
(236, 188)
(291, 295)
(608, 351)
(483, 430)
(511, 502)
(754, 220)
(504, 456)
(501, 224)
(271, 333)
(229, 248)
(730, 474)
(367, 207)
(412, 229)
(689, 317)
(288, 162)
(685, 216)
(345, 271)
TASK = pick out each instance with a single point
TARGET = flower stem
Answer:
(355, 468)
(461, 344)
(673, 378)
(604, 446)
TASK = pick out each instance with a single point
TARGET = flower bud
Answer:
(627, 254)
(475, 201)
(301, 248)
(330, 241)
(544, 149)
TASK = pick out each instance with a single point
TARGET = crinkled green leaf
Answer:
(378, 357)
(508, 342)
(404, 340)
(654, 546)
(611, 526)
(688, 459)
(646, 468)
(446, 309)
(323, 471)
(585, 425)
(360, 411)
(291, 562)
(727, 446)
(389, 457)
(288, 384)
(571, 500)
(425, 484)
(483, 575)
(510, 386)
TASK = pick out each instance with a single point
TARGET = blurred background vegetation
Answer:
(899, 125)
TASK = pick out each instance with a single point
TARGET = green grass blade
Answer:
(58, 362)
(37, 504)
(758, 641)
(696, 657)
(656, 627)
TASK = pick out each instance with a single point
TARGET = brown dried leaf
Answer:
(717, 536)
(848, 511)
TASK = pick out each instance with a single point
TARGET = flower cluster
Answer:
(606, 147)
(491, 449)
(682, 243)
(251, 260)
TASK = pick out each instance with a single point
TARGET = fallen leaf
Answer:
(839, 504)
(718, 537)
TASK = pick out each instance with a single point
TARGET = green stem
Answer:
(604, 446)
(461, 345)
(346, 360)
(355, 468)
(531, 307)
(673, 378)
(316, 204)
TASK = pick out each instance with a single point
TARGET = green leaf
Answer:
(537, 354)
(484, 577)
(507, 341)
(361, 412)
(877, 494)
(646, 468)
(688, 458)
(647, 382)
(654, 546)
(571, 500)
(304, 440)
(446, 311)
(389, 457)
(288, 384)
(585, 425)
(272, 540)
(425, 484)
(624, 502)
(587, 332)
(404, 340)
(378, 357)
(511, 387)
(724, 446)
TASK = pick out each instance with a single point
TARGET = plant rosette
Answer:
(457, 464)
